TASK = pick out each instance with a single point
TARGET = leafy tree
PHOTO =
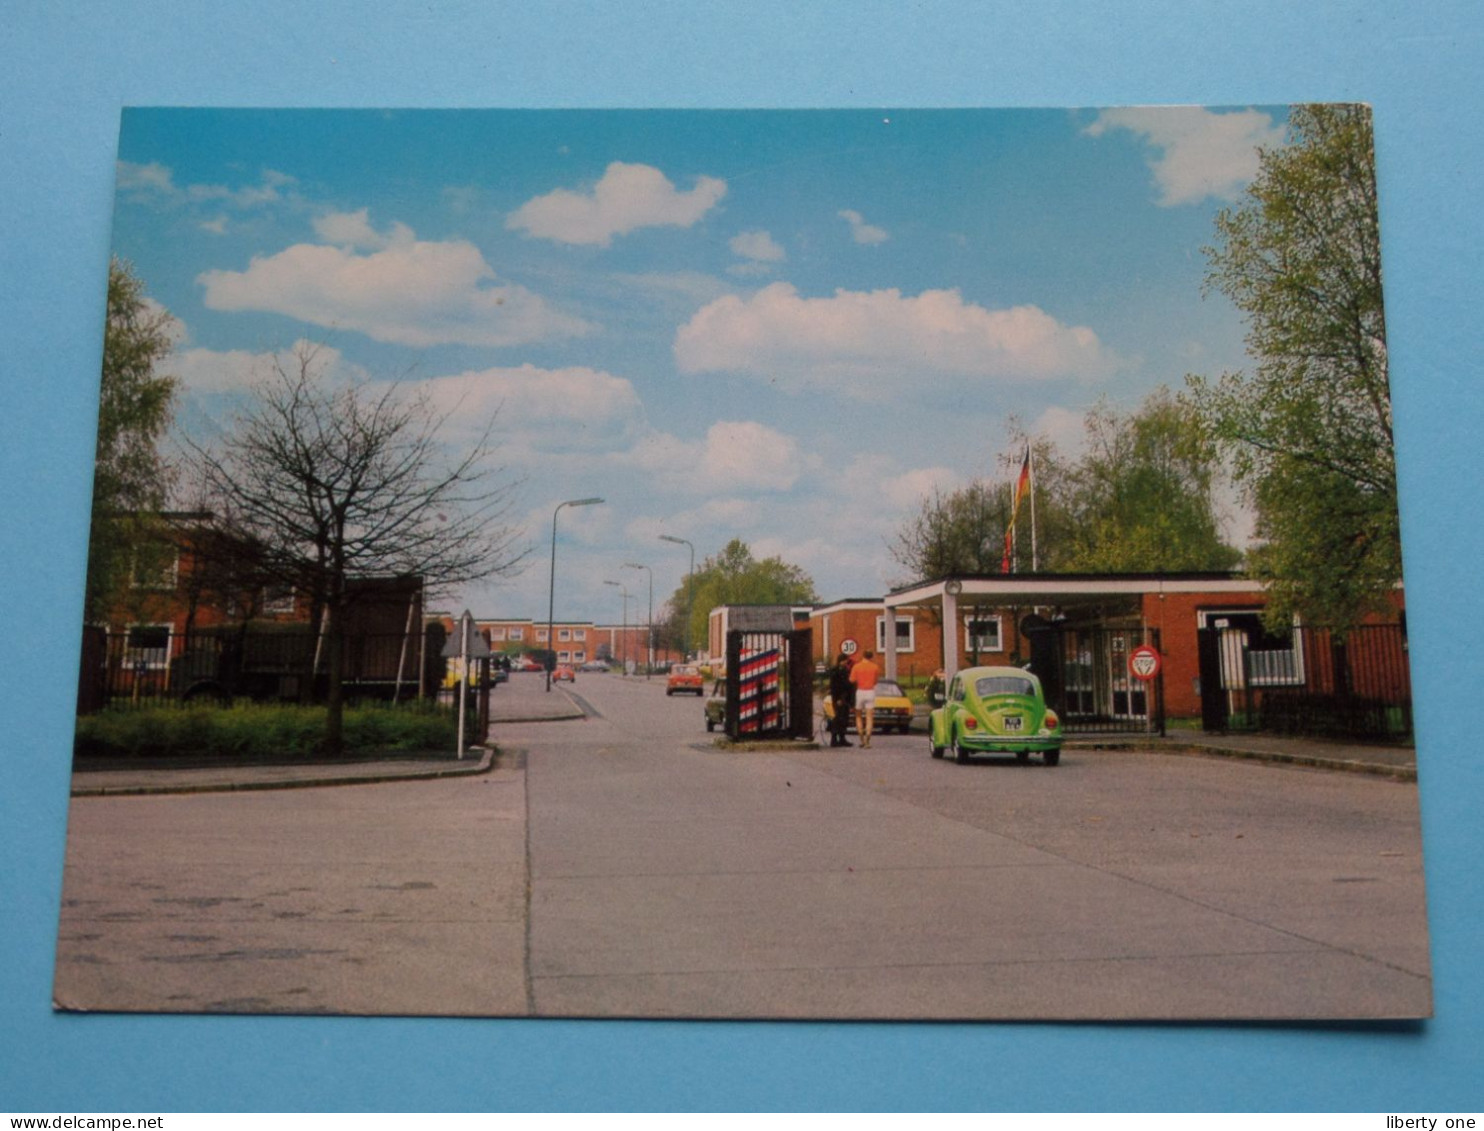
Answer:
(1140, 500)
(734, 577)
(1142, 497)
(343, 483)
(130, 479)
(1310, 427)
(962, 532)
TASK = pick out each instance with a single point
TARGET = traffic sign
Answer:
(1143, 662)
(848, 646)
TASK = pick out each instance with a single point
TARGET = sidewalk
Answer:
(522, 699)
(1389, 760)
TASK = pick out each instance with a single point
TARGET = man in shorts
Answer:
(864, 676)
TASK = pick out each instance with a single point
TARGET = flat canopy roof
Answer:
(1063, 589)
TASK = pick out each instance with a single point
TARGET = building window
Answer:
(905, 636)
(564, 634)
(278, 599)
(1251, 655)
(982, 634)
(564, 656)
(579, 634)
(579, 656)
(147, 646)
(497, 634)
(541, 636)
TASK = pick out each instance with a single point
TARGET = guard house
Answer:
(1077, 631)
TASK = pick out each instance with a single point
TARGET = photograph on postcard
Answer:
(903, 564)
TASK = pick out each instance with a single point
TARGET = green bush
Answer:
(260, 732)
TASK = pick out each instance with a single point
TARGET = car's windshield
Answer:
(885, 687)
(683, 671)
(1003, 685)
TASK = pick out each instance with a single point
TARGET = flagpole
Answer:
(1030, 460)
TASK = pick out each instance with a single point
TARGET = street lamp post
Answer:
(551, 600)
(649, 632)
(690, 585)
(623, 590)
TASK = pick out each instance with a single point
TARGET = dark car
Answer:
(715, 706)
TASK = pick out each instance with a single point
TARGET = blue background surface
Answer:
(66, 69)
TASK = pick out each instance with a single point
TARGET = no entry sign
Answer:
(1143, 662)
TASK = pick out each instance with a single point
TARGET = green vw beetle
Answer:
(995, 711)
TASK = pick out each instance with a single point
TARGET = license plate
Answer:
(1014, 722)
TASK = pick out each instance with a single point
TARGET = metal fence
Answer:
(1312, 681)
(150, 665)
(1087, 680)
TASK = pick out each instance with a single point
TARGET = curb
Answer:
(469, 769)
(1276, 757)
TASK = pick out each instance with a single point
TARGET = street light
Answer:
(625, 638)
(551, 601)
(649, 633)
(690, 585)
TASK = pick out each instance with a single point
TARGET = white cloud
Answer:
(411, 292)
(353, 230)
(758, 246)
(543, 410)
(157, 180)
(153, 177)
(235, 372)
(628, 197)
(907, 490)
(860, 231)
(870, 344)
(1065, 427)
(735, 456)
(1200, 153)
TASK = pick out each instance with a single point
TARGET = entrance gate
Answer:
(1085, 674)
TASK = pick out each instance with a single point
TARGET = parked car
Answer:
(683, 677)
(995, 711)
(893, 708)
(564, 671)
(594, 666)
(715, 706)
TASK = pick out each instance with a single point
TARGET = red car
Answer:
(564, 672)
(683, 678)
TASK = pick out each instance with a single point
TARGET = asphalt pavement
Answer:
(525, 699)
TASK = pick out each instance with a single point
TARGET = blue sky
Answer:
(785, 327)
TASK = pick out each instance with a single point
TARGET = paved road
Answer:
(622, 865)
(671, 878)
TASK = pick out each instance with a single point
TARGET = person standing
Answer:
(842, 700)
(864, 676)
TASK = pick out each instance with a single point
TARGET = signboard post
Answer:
(468, 646)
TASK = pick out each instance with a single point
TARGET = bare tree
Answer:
(342, 482)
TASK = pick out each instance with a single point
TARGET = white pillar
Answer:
(951, 629)
(890, 632)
